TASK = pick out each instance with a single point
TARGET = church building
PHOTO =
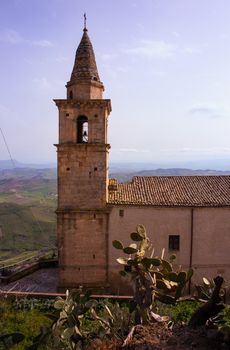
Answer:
(186, 215)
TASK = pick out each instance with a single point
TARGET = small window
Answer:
(71, 95)
(121, 212)
(174, 242)
(127, 268)
(82, 129)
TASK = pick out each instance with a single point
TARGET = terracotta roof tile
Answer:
(198, 191)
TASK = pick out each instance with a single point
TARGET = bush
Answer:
(27, 322)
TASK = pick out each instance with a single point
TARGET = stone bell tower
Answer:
(82, 216)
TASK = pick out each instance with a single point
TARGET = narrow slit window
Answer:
(174, 242)
(121, 212)
(82, 129)
(127, 268)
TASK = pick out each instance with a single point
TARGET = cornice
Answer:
(105, 103)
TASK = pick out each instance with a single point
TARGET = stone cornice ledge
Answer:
(83, 103)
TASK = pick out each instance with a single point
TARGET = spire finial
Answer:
(85, 21)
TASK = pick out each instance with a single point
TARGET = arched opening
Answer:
(71, 94)
(82, 129)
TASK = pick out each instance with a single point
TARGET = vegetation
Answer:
(152, 278)
(78, 321)
(27, 211)
(16, 319)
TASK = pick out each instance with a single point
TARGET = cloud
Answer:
(15, 38)
(4, 109)
(115, 71)
(176, 34)
(11, 37)
(224, 36)
(45, 84)
(160, 49)
(42, 43)
(153, 49)
(198, 151)
(61, 59)
(206, 111)
(131, 150)
(201, 109)
(158, 73)
(211, 150)
(140, 26)
(107, 56)
(191, 50)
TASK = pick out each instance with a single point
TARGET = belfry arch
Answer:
(82, 126)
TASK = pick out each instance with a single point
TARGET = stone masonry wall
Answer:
(82, 176)
(82, 248)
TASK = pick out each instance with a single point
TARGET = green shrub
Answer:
(27, 322)
(180, 312)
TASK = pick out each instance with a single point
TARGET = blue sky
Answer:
(165, 65)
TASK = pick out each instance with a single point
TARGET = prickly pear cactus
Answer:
(152, 278)
(68, 328)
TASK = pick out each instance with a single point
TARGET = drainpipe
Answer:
(191, 248)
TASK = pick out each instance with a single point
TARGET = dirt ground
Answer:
(159, 337)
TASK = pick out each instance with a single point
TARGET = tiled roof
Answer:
(172, 191)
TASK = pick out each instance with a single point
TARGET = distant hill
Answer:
(127, 176)
(27, 210)
(28, 173)
(28, 199)
(9, 164)
(215, 164)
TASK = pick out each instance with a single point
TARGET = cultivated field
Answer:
(27, 211)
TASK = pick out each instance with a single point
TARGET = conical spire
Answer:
(85, 67)
(85, 83)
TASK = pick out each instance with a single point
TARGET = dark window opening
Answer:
(93, 256)
(95, 116)
(82, 129)
(174, 242)
(68, 169)
(95, 78)
(127, 268)
(95, 169)
(71, 94)
(121, 212)
(67, 114)
(94, 216)
(90, 174)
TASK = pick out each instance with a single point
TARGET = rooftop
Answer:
(172, 191)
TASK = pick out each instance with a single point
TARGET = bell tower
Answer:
(82, 215)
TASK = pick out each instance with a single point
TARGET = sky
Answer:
(165, 65)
